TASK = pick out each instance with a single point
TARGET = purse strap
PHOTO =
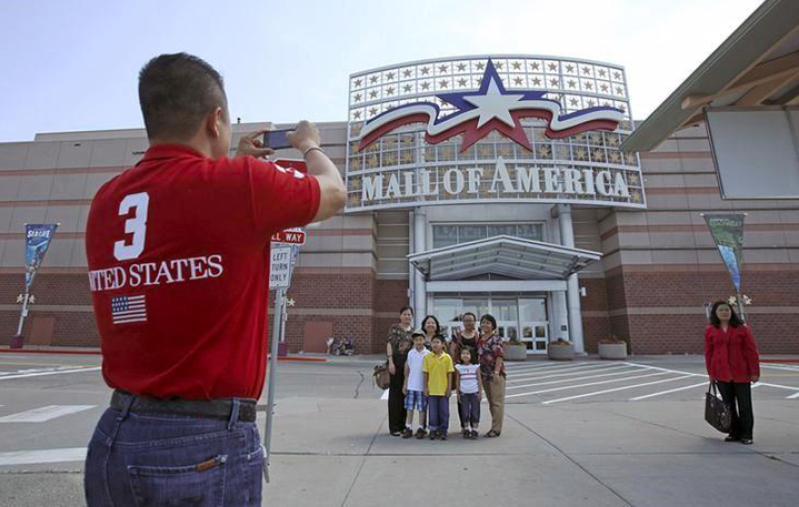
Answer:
(713, 388)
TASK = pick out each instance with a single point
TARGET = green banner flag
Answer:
(727, 230)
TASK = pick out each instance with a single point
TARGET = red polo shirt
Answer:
(178, 251)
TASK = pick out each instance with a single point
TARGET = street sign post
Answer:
(284, 252)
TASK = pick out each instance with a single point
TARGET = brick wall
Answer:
(73, 328)
(660, 332)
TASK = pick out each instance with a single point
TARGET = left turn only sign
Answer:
(280, 270)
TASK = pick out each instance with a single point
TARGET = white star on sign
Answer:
(494, 105)
(290, 302)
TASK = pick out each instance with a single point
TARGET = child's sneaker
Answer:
(407, 433)
(434, 435)
(465, 433)
(442, 436)
(474, 435)
(421, 433)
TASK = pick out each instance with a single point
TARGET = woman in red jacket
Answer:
(733, 362)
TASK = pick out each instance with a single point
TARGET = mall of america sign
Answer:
(490, 129)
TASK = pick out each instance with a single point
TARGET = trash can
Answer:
(17, 341)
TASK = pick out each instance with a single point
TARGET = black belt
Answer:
(209, 409)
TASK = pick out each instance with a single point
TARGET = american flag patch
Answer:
(127, 309)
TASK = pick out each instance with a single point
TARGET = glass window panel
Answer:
(513, 333)
(501, 230)
(527, 332)
(445, 235)
(467, 233)
(505, 309)
(533, 309)
(530, 231)
(529, 345)
(540, 331)
(540, 345)
(445, 309)
(478, 307)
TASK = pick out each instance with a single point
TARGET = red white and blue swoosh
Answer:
(490, 108)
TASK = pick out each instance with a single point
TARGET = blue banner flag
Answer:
(37, 241)
(727, 230)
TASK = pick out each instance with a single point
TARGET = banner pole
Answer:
(270, 403)
(24, 312)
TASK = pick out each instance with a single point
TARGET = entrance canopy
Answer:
(502, 255)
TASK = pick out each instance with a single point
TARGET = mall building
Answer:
(491, 184)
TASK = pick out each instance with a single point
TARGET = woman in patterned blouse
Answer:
(397, 333)
(492, 369)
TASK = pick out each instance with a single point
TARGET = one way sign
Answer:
(290, 236)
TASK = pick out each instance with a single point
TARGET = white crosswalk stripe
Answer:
(49, 371)
(43, 414)
(42, 456)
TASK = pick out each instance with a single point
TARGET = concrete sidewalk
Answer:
(339, 453)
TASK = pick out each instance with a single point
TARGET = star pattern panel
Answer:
(577, 85)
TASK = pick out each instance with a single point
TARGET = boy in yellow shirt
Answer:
(438, 369)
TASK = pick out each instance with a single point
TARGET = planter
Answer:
(515, 352)
(613, 351)
(561, 352)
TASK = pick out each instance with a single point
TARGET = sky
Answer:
(73, 65)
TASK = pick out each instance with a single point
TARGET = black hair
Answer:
(468, 313)
(438, 326)
(735, 321)
(176, 92)
(437, 337)
(471, 356)
(406, 308)
(490, 318)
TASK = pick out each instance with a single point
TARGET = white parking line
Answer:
(57, 372)
(587, 371)
(514, 366)
(579, 370)
(767, 384)
(615, 389)
(782, 367)
(792, 397)
(550, 364)
(576, 379)
(42, 456)
(668, 392)
(43, 414)
(586, 385)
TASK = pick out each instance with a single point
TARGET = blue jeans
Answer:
(137, 460)
(438, 413)
(470, 410)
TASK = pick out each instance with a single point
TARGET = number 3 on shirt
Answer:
(137, 225)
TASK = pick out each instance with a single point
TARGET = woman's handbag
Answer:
(381, 376)
(717, 413)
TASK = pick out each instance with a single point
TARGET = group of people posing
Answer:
(426, 369)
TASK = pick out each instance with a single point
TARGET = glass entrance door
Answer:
(521, 318)
(534, 324)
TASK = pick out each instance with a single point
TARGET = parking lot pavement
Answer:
(587, 432)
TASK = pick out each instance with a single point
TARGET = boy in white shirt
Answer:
(414, 386)
(470, 393)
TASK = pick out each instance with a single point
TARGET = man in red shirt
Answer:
(178, 253)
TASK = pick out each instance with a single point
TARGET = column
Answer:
(572, 284)
(419, 245)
